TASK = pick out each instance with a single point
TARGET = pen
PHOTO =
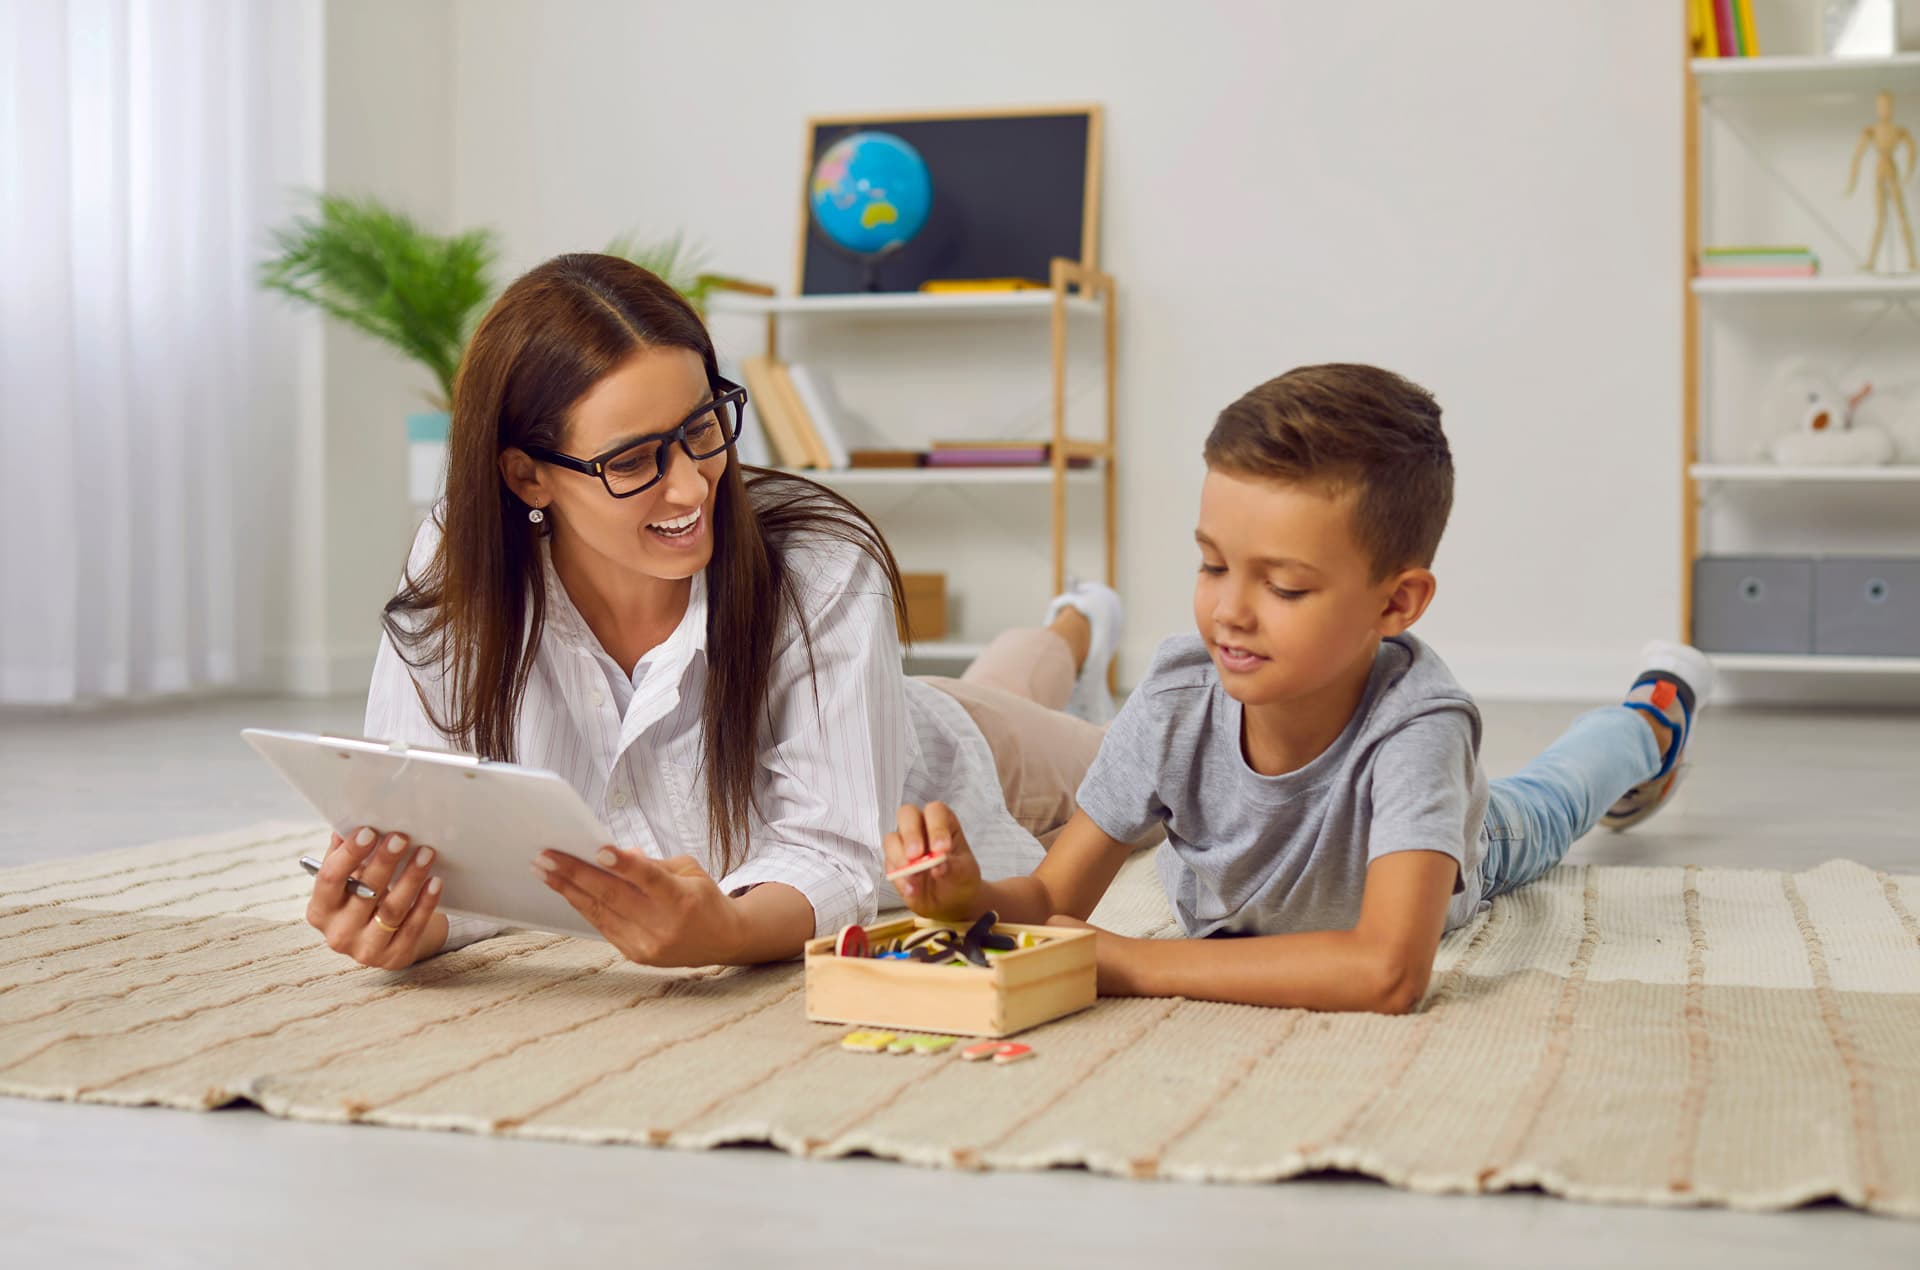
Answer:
(358, 887)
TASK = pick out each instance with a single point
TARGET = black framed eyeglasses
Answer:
(638, 465)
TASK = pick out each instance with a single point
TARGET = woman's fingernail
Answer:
(607, 857)
(364, 838)
(397, 844)
(544, 862)
(433, 887)
(423, 857)
(941, 846)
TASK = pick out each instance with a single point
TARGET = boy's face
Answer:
(1286, 599)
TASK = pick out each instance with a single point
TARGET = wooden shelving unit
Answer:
(1708, 80)
(1076, 294)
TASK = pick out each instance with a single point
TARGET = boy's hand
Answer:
(945, 891)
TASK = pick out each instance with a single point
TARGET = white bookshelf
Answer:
(1039, 317)
(1734, 326)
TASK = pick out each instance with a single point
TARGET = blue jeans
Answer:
(1534, 817)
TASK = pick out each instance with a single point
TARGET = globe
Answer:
(871, 193)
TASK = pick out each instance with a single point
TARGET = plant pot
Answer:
(427, 457)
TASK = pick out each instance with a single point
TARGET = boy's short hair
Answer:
(1343, 427)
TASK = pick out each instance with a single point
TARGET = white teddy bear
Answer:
(1830, 431)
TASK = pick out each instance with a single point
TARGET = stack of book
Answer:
(1758, 262)
(796, 409)
(1722, 28)
(994, 454)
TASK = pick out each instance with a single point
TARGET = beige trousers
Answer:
(1015, 692)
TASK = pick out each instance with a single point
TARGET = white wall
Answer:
(1484, 197)
(387, 124)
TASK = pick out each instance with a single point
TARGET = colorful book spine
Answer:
(1709, 37)
(1759, 262)
(1749, 36)
(1723, 28)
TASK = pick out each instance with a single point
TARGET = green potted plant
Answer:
(421, 293)
(371, 267)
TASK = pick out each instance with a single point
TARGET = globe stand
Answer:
(869, 262)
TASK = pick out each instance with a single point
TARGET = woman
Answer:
(710, 660)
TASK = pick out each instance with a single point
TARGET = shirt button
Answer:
(599, 698)
(619, 798)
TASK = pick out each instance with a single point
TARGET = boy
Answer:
(1314, 764)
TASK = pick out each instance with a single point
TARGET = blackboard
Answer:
(1010, 192)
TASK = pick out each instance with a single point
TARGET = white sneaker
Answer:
(1673, 685)
(1101, 606)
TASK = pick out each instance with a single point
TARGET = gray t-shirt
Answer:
(1266, 855)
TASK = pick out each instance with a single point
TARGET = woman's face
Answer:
(665, 531)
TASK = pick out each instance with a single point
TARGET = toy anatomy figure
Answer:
(1886, 137)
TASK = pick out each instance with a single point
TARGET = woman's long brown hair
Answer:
(475, 614)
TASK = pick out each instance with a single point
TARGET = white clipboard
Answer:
(485, 821)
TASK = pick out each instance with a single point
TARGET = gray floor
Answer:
(110, 1186)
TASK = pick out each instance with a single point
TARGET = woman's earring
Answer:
(536, 515)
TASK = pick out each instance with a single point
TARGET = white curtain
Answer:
(147, 387)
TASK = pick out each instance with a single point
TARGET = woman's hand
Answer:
(396, 928)
(947, 890)
(657, 912)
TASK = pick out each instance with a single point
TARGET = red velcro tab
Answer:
(1664, 693)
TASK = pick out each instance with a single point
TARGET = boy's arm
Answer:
(1080, 866)
(1382, 965)
(1077, 871)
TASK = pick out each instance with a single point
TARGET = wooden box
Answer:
(926, 606)
(1021, 989)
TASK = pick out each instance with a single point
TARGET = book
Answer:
(816, 398)
(1759, 271)
(1723, 28)
(1709, 37)
(989, 445)
(1749, 39)
(757, 374)
(886, 458)
(1029, 456)
(954, 286)
(752, 445)
(797, 418)
(1758, 262)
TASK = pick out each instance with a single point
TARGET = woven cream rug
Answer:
(1660, 1036)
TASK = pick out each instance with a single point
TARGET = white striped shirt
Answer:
(832, 773)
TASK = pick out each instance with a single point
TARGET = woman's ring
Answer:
(381, 922)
